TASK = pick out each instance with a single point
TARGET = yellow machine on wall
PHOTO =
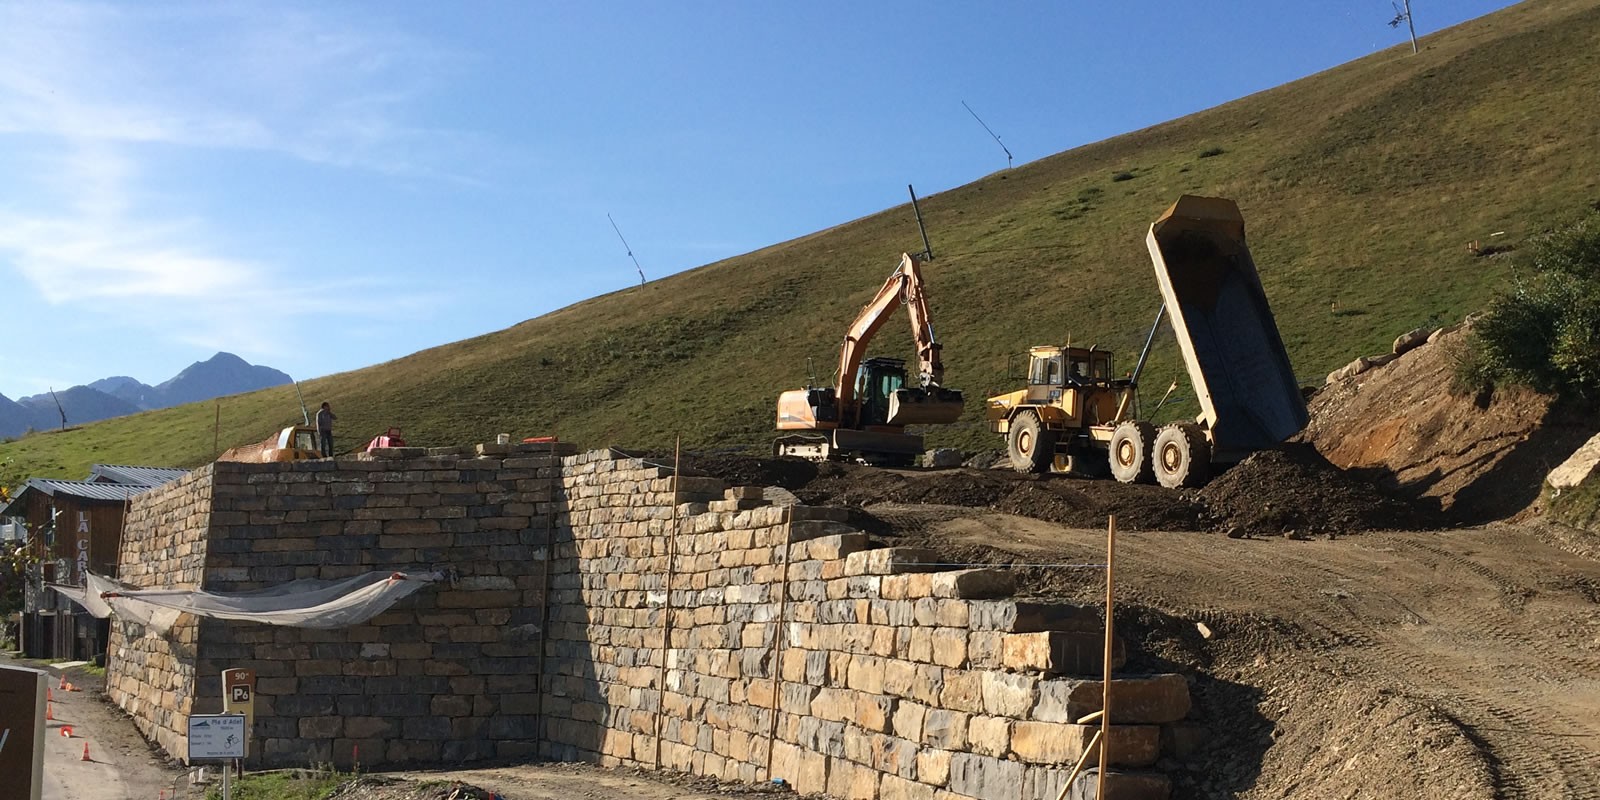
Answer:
(294, 443)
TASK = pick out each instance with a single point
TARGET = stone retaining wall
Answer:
(164, 543)
(758, 642)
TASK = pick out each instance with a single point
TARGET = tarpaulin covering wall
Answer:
(297, 604)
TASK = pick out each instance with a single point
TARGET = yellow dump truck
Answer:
(1075, 415)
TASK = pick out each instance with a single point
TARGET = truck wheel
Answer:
(1032, 448)
(1182, 456)
(1129, 455)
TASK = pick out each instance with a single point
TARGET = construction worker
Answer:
(325, 418)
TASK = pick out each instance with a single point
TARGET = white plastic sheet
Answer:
(297, 604)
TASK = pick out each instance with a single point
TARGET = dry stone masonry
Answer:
(593, 618)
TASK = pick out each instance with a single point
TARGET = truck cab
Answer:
(1070, 404)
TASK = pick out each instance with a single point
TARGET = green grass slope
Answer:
(1360, 187)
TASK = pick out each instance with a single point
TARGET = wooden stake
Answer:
(779, 635)
(1094, 741)
(1105, 701)
(666, 603)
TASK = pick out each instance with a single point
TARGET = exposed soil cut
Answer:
(1471, 458)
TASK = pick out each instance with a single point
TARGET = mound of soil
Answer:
(1087, 503)
(1295, 489)
(1290, 490)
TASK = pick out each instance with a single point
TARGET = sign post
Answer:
(217, 737)
(22, 699)
(239, 697)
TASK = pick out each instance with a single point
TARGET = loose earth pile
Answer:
(1275, 492)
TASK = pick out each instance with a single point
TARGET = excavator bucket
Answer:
(1249, 398)
(934, 405)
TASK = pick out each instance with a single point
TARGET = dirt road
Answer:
(1446, 664)
(121, 765)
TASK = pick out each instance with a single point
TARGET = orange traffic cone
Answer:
(66, 731)
(63, 684)
(86, 752)
(49, 709)
(49, 694)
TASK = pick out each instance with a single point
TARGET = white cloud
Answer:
(102, 98)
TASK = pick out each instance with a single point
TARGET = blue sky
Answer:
(324, 186)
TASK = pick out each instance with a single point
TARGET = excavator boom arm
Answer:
(903, 286)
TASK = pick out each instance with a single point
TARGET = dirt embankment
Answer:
(1467, 458)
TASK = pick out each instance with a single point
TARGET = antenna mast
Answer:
(991, 133)
(626, 247)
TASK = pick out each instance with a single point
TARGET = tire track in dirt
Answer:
(1535, 753)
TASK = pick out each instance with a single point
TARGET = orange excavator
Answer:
(863, 416)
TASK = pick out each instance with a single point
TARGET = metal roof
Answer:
(85, 490)
(134, 475)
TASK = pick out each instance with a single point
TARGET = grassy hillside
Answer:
(1360, 187)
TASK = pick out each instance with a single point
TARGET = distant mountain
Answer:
(15, 419)
(222, 374)
(81, 403)
(140, 394)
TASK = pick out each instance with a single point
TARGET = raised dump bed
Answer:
(1249, 398)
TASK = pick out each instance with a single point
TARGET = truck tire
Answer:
(1129, 453)
(1182, 456)
(1031, 447)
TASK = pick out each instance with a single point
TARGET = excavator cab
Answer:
(877, 381)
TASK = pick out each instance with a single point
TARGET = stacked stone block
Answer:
(605, 611)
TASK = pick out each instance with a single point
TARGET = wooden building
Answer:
(73, 528)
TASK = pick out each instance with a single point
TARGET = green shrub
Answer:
(1122, 176)
(1545, 332)
(1212, 152)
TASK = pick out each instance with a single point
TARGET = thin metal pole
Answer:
(927, 249)
(1144, 355)
(216, 434)
(1105, 697)
(666, 603)
(304, 414)
(1412, 26)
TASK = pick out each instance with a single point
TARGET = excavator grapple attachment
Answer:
(934, 405)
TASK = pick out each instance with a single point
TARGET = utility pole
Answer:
(1402, 13)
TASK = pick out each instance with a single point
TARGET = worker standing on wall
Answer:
(325, 418)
